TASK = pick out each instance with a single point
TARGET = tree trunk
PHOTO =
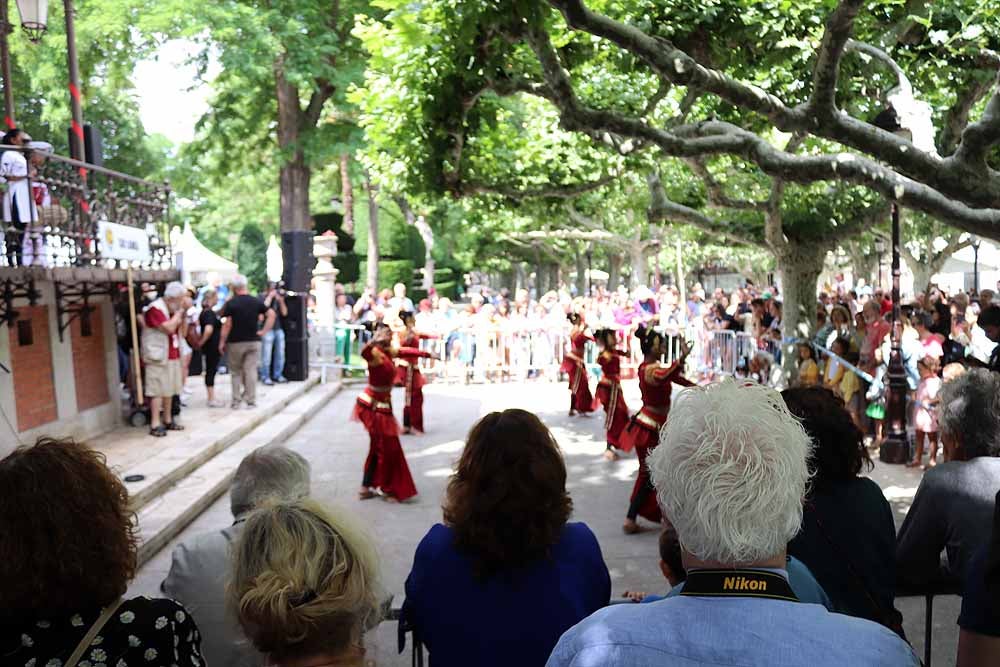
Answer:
(541, 280)
(581, 272)
(294, 173)
(614, 270)
(800, 268)
(371, 280)
(347, 193)
(637, 259)
(426, 235)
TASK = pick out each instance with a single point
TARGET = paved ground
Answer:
(337, 447)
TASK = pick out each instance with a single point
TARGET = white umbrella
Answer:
(275, 264)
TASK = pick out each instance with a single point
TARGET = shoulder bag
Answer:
(92, 633)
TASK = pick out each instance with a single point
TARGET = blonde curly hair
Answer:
(304, 581)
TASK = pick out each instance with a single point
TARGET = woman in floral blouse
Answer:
(68, 549)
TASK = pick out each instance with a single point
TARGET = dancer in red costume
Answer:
(580, 398)
(408, 375)
(609, 391)
(643, 432)
(385, 467)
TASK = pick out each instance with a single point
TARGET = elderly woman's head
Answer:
(68, 541)
(507, 501)
(970, 414)
(839, 452)
(268, 473)
(304, 584)
(731, 472)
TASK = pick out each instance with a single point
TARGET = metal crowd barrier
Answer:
(497, 354)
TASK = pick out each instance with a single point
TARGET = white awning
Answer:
(194, 260)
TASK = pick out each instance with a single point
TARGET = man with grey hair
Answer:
(197, 577)
(164, 326)
(952, 511)
(731, 473)
(242, 313)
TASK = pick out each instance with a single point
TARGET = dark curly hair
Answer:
(609, 337)
(838, 452)
(69, 541)
(507, 501)
(574, 318)
(648, 338)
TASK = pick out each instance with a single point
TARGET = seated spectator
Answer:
(68, 550)
(952, 510)
(197, 575)
(847, 537)
(731, 472)
(505, 575)
(979, 638)
(305, 585)
(805, 586)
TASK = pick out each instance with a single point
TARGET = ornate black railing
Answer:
(71, 200)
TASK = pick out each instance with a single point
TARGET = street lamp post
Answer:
(8, 94)
(880, 251)
(976, 241)
(896, 446)
(590, 269)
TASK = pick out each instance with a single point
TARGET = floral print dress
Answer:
(143, 632)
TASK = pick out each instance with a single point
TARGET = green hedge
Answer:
(390, 272)
(349, 266)
(448, 289)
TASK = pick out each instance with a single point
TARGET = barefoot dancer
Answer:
(609, 391)
(644, 430)
(580, 399)
(385, 468)
(408, 375)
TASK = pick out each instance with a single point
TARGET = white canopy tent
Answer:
(275, 262)
(195, 261)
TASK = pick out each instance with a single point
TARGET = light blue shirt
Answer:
(688, 631)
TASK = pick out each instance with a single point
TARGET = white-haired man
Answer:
(197, 577)
(242, 313)
(730, 472)
(165, 325)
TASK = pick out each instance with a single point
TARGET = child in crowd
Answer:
(925, 416)
(876, 400)
(805, 586)
(808, 370)
(833, 374)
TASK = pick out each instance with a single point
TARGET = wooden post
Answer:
(135, 339)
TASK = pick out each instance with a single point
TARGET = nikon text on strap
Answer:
(738, 584)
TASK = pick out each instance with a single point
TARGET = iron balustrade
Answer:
(71, 198)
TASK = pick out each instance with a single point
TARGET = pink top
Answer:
(924, 418)
(932, 346)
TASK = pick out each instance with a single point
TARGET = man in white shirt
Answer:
(18, 207)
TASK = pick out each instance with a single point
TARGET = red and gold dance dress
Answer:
(408, 376)
(581, 399)
(385, 467)
(643, 432)
(609, 394)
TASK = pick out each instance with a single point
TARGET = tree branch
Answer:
(839, 26)
(969, 183)
(979, 137)
(902, 81)
(676, 66)
(716, 195)
(663, 208)
(957, 117)
(550, 191)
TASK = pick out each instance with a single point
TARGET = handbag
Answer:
(193, 338)
(98, 625)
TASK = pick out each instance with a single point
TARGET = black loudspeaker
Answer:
(296, 338)
(93, 146)
(295, 320)
(296, 359)
(297, 254)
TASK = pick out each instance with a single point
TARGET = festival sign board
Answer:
(123, 242)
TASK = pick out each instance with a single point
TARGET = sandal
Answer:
(158, 432)
(367, 494)
(173, 426)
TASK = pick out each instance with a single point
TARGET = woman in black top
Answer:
(68, 549)
(848, 537)
(211, 327)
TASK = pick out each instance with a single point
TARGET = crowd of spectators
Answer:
(776, 550)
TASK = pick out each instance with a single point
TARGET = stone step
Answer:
(164, 516)
(167, 467)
